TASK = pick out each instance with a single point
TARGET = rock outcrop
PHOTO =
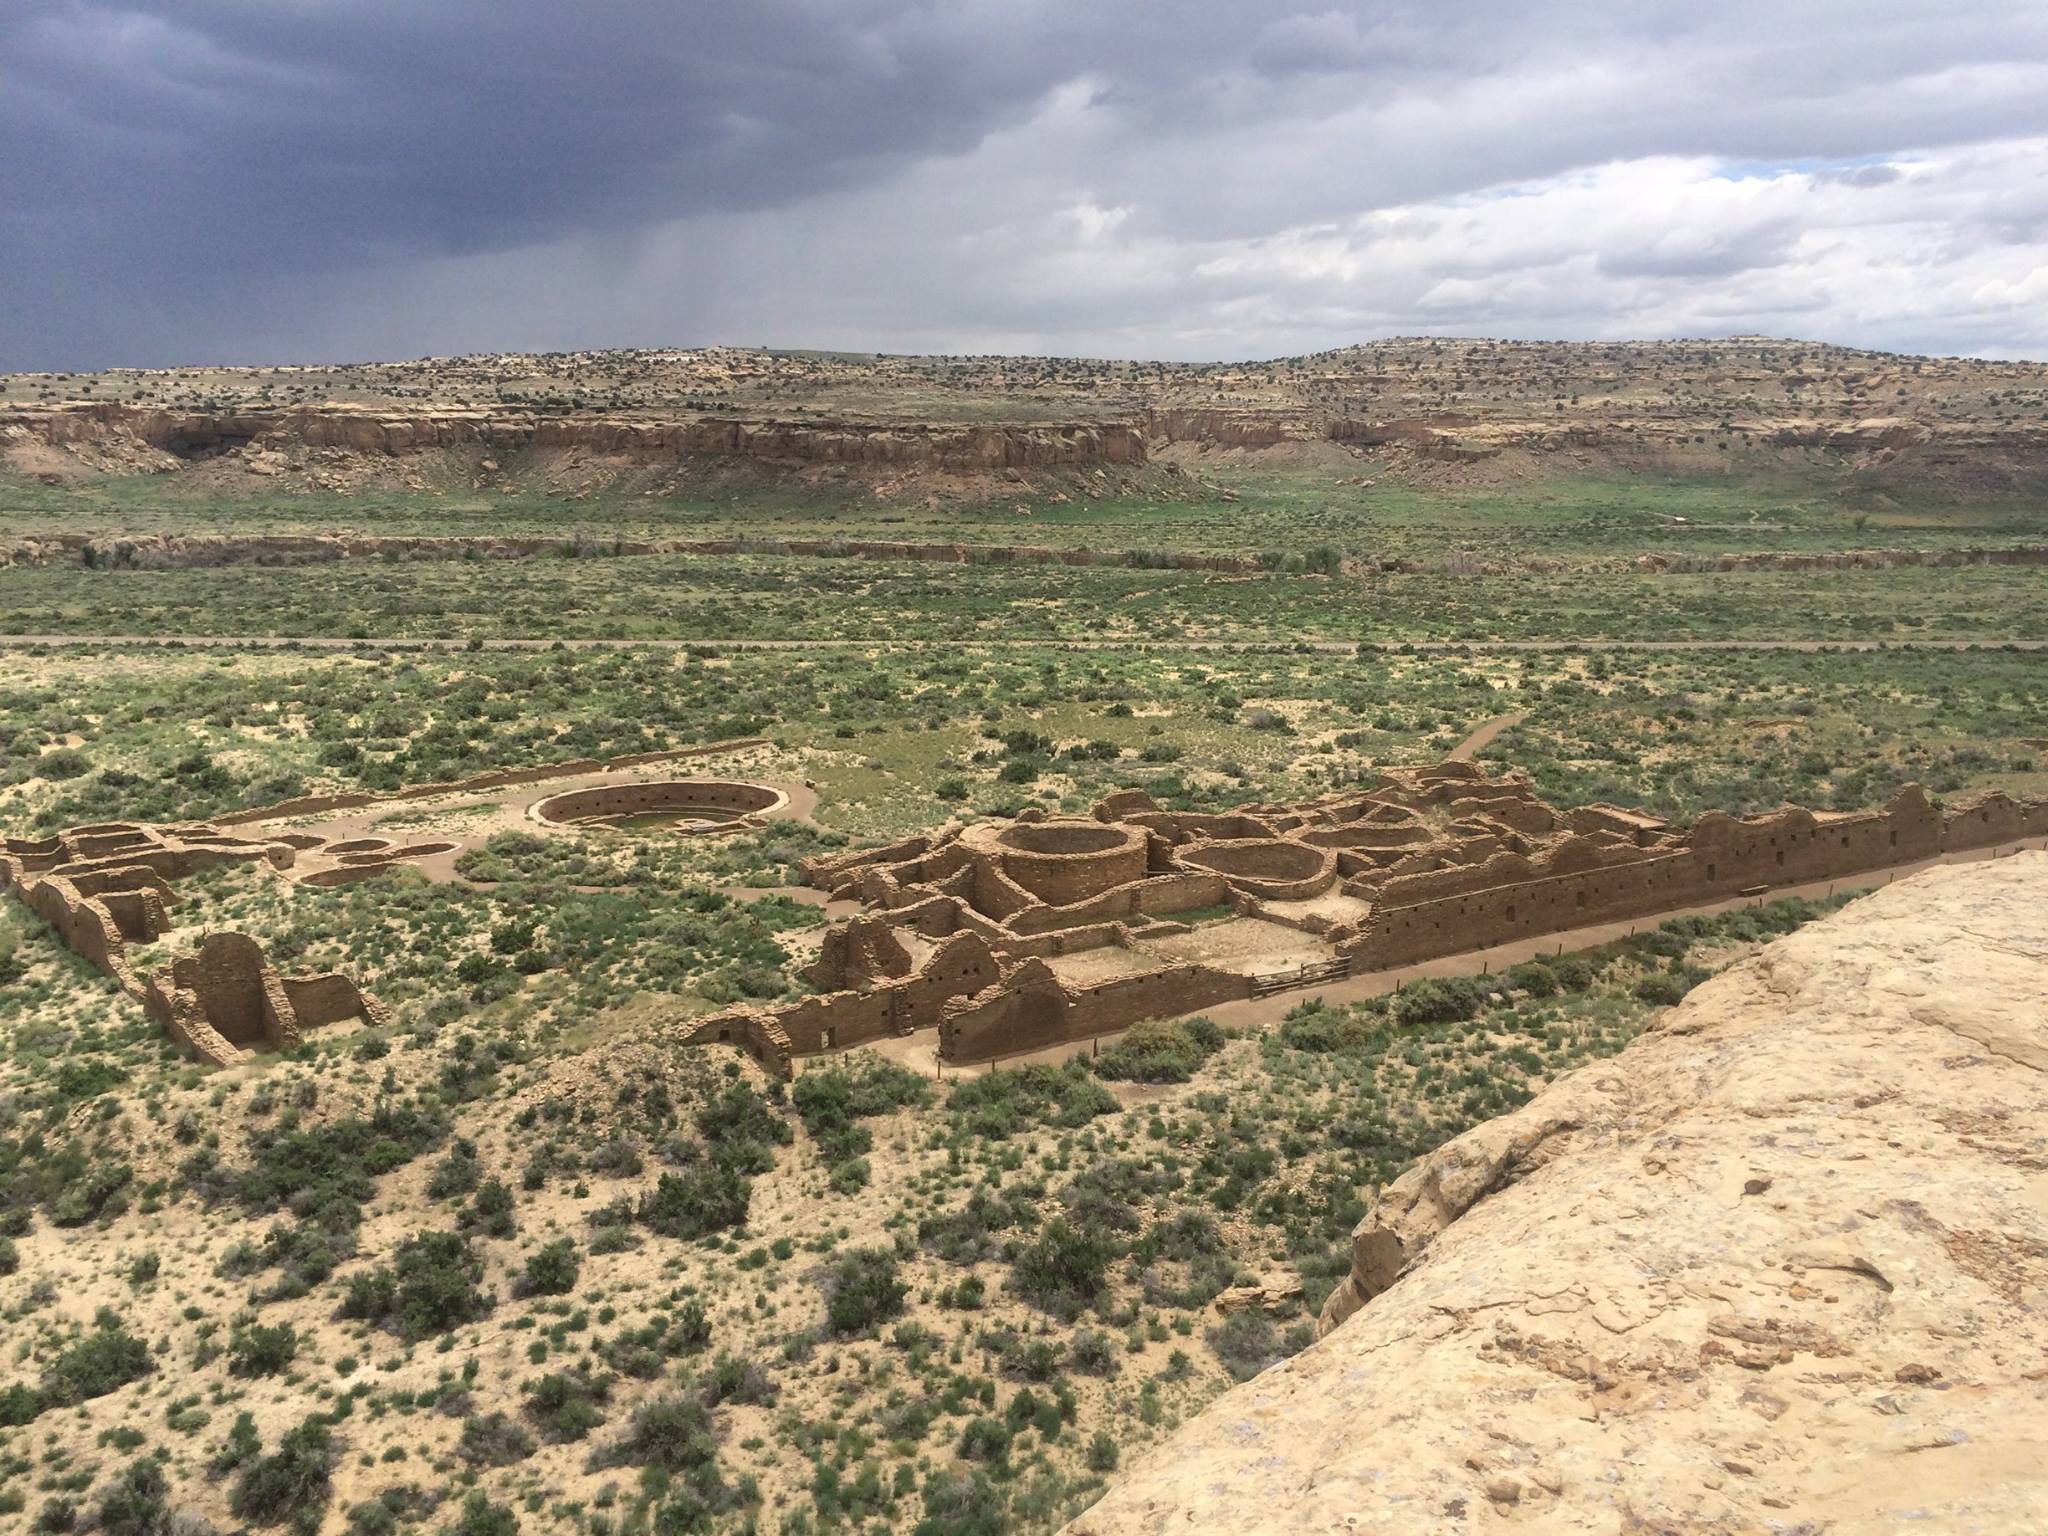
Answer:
(1781, 1265)
(645, 438)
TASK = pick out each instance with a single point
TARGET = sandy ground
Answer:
(1332, 904)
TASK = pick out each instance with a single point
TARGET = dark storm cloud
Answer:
(268, 178)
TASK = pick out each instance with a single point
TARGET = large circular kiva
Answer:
(1062, 861)
(678, 805)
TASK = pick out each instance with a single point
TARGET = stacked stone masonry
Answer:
(1048, 930)
(106, 890)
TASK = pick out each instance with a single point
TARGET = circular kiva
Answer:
(1272, 868)
(676, 805)
(1062, 861)
(409, 851)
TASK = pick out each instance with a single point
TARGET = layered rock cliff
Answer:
(1781, 1265)
(641, 439)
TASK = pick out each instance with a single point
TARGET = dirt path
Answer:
(1471, 746)
(1273, 642)
(919, 1052)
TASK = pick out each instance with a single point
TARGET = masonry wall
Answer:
(678, 796)
(753, 1031)
(84, 925)
(1476, 919)
(330, 998)
(833, 1021)
(1722, 857)
(1028, 1012)
(237, 992)
(139, 916)
(1165, 994)
(1033, 1010)
(1993, 818)
(1139, 898)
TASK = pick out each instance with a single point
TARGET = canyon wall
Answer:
(191, 435)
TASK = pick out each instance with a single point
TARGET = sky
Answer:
(268, 181)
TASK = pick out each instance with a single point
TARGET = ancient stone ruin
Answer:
(108, 889)
(681, 805)
(1009, 937)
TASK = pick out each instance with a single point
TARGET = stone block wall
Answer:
(331, 998)
(1033, 1009)
(1448, 862)
(84, 925)
(237, 992)
(1445, 912)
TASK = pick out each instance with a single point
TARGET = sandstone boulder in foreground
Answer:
(1780, 1266)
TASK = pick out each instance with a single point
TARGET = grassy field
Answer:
(1267, 508)
(712, 598)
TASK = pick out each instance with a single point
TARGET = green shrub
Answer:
(1662, 989)
(294, 1482)
(480, 1517)
(262, 1350)
(493, 1440)
(1160, 1051)
(1004, 1102)
(710, 1195)
(1318, 1027)
(956, 1505)
(1102, 1452)
(490, 1210)
(985, 1440)
(103, 1361)
(966, 1236)
(1065, 1269)
(1574, 973)
(550, 1272)
(136, 1503)
(1246, 1342)
(832, 1101)
(430, 1287)
(673, 1433)
(1438, 1000)
(864, 1291)
(567, 1405)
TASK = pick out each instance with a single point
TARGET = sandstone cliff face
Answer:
(642, 439)
(1782, 1265)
